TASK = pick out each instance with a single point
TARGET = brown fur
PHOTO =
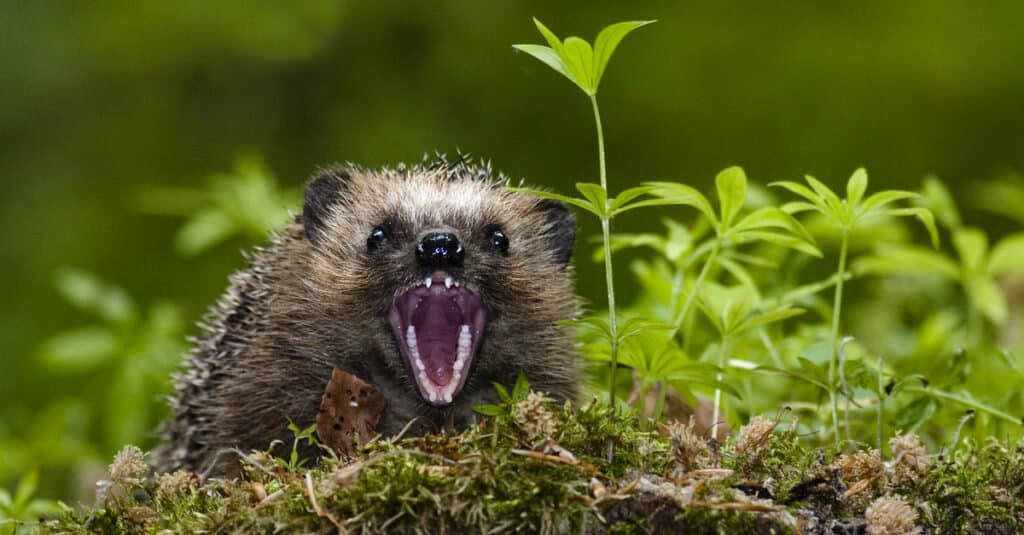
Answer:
(306, 306)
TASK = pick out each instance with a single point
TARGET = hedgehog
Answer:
(430, 282)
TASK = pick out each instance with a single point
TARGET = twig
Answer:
(555, 459)
(320, 511)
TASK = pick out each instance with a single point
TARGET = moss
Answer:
(493, 477)
(977, 490)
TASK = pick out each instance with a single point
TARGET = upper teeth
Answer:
(448, 282)
(434, 392)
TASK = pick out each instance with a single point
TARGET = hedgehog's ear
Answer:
(322, 193)
(560, 230)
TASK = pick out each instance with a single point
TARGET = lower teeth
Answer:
(435, 393)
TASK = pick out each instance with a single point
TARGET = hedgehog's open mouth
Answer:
(438, 325)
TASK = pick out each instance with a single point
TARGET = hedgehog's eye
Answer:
(378, 238)
(499, 241)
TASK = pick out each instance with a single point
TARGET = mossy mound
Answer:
(537, 468)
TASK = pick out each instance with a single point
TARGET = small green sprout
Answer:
(584, 65)
(22, 506)
(575, 59)
(847, 215)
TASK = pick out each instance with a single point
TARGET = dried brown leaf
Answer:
(349, 412)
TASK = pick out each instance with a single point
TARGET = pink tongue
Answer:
(437, 320)
(439, 366)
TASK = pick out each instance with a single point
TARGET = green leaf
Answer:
(972, 246)
(502, 392)
(547, 56)
(922, 214)
(521, 388)
(752, 259)
(938, 198)
(91, 294)
(204, 230)
(731, 184)
(832, 200)
(989, 299)
(795, 207)
(607, 41)
(553, 41)
(597, 196)
(1008, 256)
(735, 310)
(637, 326)
(883, 198)
(675, 193)
(6, 504)
(907, 259)
(579, 203)
(805, 290)
(771, 217)
(781, 313)
(966, 400)
(1004, 196)
(816, 200)
(856, 186)
(26, 488)
(579, 59)
(915, 413)
(707, 379)
(740, 274)
(488, 410)
(619, 203)
(596, 324)
(80, 349)
(704, 303)
(808, 378)
(560, 59)
(1010, 360)
(781, 239)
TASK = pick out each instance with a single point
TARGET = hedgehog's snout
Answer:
(440, 250)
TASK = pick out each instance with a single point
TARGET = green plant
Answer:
(23, 506)
(847, 214)
(584, 66)
(732, 311)
(1003, 195)
(246, 201)
(977, 269)
(295, 459)
(768, 224)
(135, 350)
(519, 392)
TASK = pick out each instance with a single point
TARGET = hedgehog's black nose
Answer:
(440, 250)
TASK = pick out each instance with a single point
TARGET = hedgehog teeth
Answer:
(438, 324)
(435, 394)
(465, 343)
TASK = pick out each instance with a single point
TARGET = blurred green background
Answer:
(114, 115)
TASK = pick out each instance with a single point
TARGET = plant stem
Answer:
(967, 402)
(659, 407)
(678, 323)
(881, 406)
(718, 391)
(836, 306)
(600, 145)
(843, 385)
(608, 273)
